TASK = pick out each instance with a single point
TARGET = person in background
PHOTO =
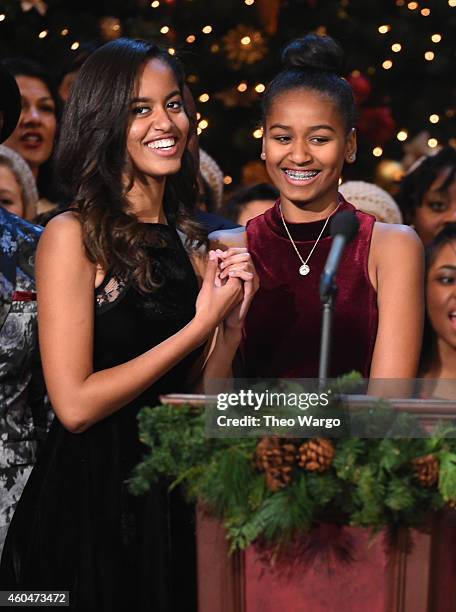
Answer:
(210, 189)
(18, 192)
(23, 417)
(34, 136)
(371, 199)
(427, 196)
(71, 67)
(211, 183)
(438, 357)
(248, 202)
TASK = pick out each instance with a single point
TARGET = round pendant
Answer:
(304, 270)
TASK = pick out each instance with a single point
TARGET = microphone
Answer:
(344, 227)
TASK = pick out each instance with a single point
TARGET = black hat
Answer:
(10, 103)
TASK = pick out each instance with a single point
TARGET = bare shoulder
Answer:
(62, 242)
(225, 239)
(62, 228)
(395, 240)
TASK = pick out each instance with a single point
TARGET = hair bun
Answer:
(314, 52)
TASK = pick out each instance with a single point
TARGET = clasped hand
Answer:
(228, 287)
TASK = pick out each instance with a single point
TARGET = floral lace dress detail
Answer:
(111, 289)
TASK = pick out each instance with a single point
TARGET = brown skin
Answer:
(296, 139)
(34, 135)
(441, 303)
(253, 209)
(438, 208)
(66, 280)
(10, 192)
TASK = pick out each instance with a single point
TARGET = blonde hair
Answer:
(24, 177)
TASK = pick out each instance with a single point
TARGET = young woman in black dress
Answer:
(121, 321)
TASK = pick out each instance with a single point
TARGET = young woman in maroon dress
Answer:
(309, 133)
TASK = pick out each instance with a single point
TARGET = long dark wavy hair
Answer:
(92, 161)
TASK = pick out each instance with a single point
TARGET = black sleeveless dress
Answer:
(76, 526)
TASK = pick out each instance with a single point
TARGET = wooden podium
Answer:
(415, 573)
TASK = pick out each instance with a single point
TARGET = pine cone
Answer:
(277, 458)
(426, 469)
(316, 455)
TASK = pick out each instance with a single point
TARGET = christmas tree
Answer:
(399, 62)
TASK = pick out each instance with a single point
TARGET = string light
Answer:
(164, 30)
(74, 46)
(249, 2)
(43, 34)
(412, 6)
(402, 135)
(2, 17)
(434, 118)
(425, 12)
(383, 29)
(65, 32)
(260, 88)
(207, 29)
(242, 87)
(400, 2)
(172, 51)
(198, 131)
(227, 180)
(215, 48)
(198, 116)
(155, 4)
(452, 3)
(387, 64)
(191, 39)
(429, 56)
(204, 97)
(203, 124)
(246, 40)
(432, 142)
(396, 47)
(377, 152)
(258, 133)
(436, 38)
(192, 78)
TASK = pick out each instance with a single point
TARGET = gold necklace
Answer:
(304, 269)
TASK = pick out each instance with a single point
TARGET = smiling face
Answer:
(158, 129)
(437, 209)
(34, 136)
(441, 294)
(305, 146)
(10, 192)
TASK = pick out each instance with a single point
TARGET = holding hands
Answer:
(228, 288)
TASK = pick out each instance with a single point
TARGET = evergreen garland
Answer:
(372, 482)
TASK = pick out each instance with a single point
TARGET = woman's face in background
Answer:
(441, 294)
(34, 135)
(437, 209)
(10, 192)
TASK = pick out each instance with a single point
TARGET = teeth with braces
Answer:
(301, 175)
(164, 143)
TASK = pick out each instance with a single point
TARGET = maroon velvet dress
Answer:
(283, 326)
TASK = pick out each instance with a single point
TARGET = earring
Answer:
(351, 158)
(263, 155)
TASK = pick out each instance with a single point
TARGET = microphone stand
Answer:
(328, 296)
